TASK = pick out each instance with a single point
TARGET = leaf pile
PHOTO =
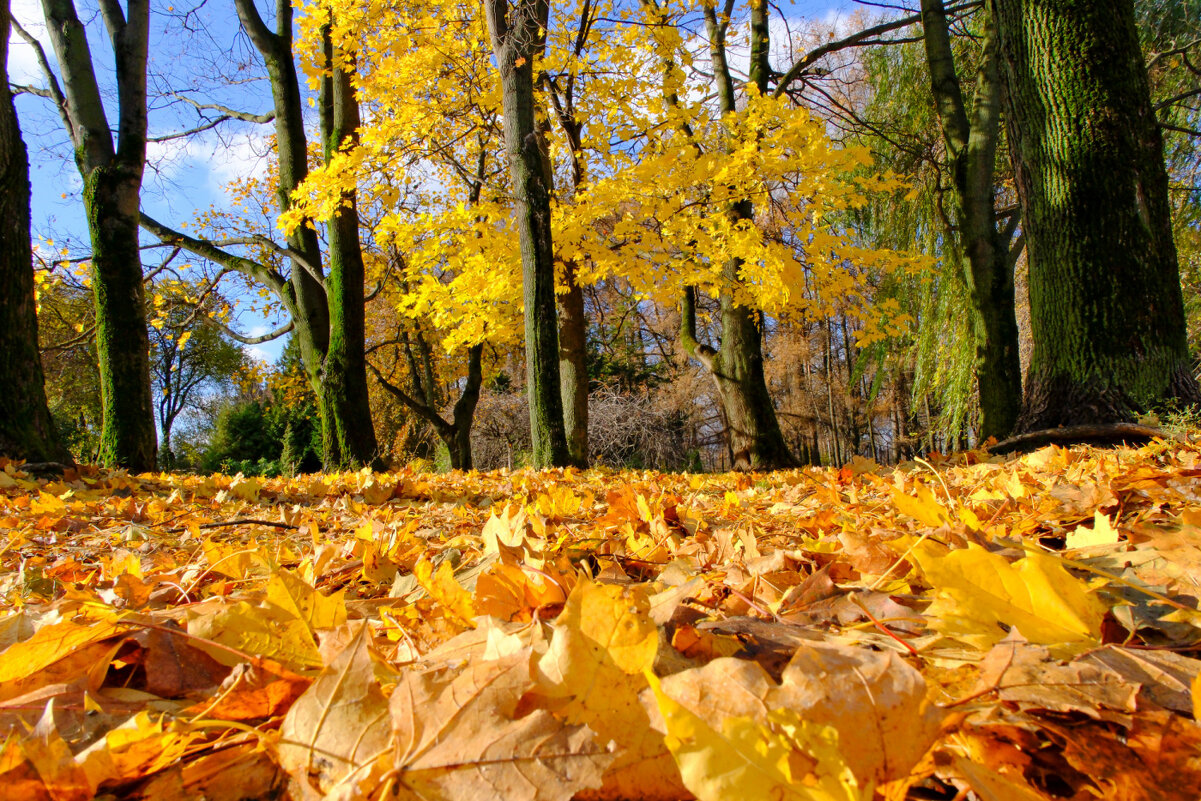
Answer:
(967, 627)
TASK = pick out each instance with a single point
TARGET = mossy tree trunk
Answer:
(1107, 314)
(753, 431)
(326, 313)
(26, 428)
(112, 181)
(971, 136)
(573, 321)
(350, 442)
(517, 31)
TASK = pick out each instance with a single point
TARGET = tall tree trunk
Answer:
(112, 182)
(573, 367)
(971, 138)
(1107, 314)
(351, 440)
(517, 32)
(327, 311)
(573, 324)
(110, 198)
(753, 430)
(26, 428)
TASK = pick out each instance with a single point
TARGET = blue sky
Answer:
(198, 49)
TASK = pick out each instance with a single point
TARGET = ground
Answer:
(1015, 628)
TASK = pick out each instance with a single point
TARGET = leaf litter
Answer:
(964, 627)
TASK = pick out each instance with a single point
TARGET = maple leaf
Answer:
(985, 594)
(333, 736)
(874, 703)
(457, 734)
(601, 646)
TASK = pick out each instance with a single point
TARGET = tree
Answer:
(112, 180)
(1107, 314)
(186, 357)
(755, 439)
(26, 428)
(971, 136)
(325, 308)
(518, 37)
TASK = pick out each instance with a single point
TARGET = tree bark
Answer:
(971, 140)
(1107, 314)
(112, 181)
(573, 323)
(26, 428)
(517, 31)
(573, 368)
(351, 440)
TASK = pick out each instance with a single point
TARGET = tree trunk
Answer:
(573, 368)
(350, 442)
(517, 32)
(26, 428)
(753, 431)
(1107, 314)
(110, 198)
(971, 139)
(756, 441)
(464, 411)
(112, 181)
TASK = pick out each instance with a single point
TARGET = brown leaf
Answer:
(336, 730)
(253, 692)
(226, 774)
(457, 735)
(174, 668)
(1028, 676)
(1165, 677)
(1158, 760)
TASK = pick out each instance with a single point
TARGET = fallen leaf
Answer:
(456, 734)
(1036, 595)
(338, 729)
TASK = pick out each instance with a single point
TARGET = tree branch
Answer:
(859, 39)
(53, 90)
(259, 272)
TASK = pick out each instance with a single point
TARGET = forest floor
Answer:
(1017, 628)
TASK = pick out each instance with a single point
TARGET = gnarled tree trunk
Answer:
(1107, 314)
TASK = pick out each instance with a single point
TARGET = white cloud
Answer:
(219, 159)
(22, 62)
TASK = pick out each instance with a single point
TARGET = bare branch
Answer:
(53, 90)
(245, 340)
(226, 111)
(859, 39)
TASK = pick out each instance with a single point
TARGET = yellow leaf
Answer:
(602, 644)
(1196, 690)
(1102, 533)
(290, 593)
(924, 507)
(51, 643)
(339, 726)
(443, 588)
(1035, 595)
(745, 759)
